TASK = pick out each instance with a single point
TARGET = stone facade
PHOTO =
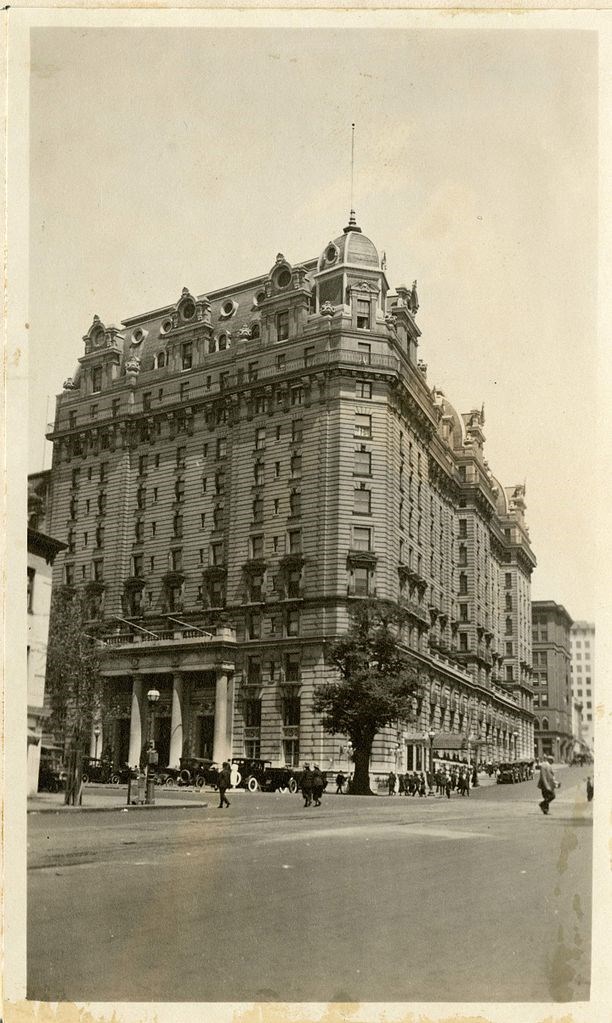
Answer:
(551, 680)
(247, 464)
(582, 641)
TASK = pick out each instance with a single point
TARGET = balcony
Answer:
(161, 637)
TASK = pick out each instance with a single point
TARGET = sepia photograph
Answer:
(310, 349)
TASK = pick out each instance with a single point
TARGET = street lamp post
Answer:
(152, 697)
(431, 735)
(96, 737)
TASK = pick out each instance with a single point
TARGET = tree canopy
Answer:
(377, 682)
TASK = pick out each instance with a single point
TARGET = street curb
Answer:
(117, 809)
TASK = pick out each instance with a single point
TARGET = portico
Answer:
(193, 672)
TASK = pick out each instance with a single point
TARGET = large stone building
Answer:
(582, 640)
(552, 694)
(232, 471)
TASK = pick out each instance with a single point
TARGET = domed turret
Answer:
(352, 248)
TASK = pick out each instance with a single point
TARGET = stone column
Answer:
(136, 722)
(221, 737)
(176, 722)
(92, 741)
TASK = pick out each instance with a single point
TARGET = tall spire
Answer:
(352, 224)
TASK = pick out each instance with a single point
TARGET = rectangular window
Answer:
(138, 565)
(139, 530)
(258, 473)
(463, 528)
(295, 541)
(176, 560)
(186, 355)
(362, 502)
(258, 511)
(297, 396)
(252, 713)
(463, 612)
(217, 554)
(293, 623)
(295, 503)
(185, 390)
(309, 356)
(363, 426)
(280, 362)
(509, 650)
(96, 379)
(179, 490)
(463, 583)
(180, 457)
(361, 581)
(142, 465)
(292, 669)
(254, 626)
(93, 411)
(294, 583)
(146, 401)
(362, 537)
(282, 326)
(260, 438)
(363, 389)
(363, 313)
(362, 463)
(252, 371)
(297, 431)
(291, 752)
(463, 641)
(221, 447)
(177, 525)
(508, 580)
(296, 465)
(100, 536)
(219, 517)
(115, 407)
(256, 546)
(69, 575)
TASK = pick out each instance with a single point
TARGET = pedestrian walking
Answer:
(422, 786)
(306, 785)
(447, 786)
(547, 783)
(590, 789)
(318, 786)
(391, 783)
(224, 782)
(340, 782)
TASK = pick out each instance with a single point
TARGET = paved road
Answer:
(388, 899)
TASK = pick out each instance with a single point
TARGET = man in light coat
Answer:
(547, 784)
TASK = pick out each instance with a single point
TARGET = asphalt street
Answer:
(363, 899)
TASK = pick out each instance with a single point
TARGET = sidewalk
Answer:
(99, 798)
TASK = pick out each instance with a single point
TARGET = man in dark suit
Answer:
(547, 784)
(224, 783)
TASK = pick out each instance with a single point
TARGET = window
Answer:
(254, 626)
(509, 673)
(297, 396)
(177, 527)
(258, 510)
(462, 554)
(186, 354)
(293, 623)
(282, 326)
(255, 588)
(260, 438)
(261, 404)
(509, 650)
(297, 431)
(221, 447)
(363, 389)
(69, 575)
(280, 362)
(295, 541)
(176, 560)
(139, 530)
(258, 473)
(463, 612)
(296, 465)
(75, 477)
(31, 575)
(292, 668)
(362, 537)
(100, 536)
(252, 713)
(295, 503)
(277, 467)
(463, 528)
(146, 401)
(362, 504)
(252, 371)
(294, 581)
(141, 498)
(220, 483)
(363, 426)
(463, 641)
(463, 583)
(291, 752)
(142, 465)
(219, 517)
(151, 564)
(508, 602)
(102, 504)
(362, 309)
(137, 565)
(256, 546)
(508, 580)
(309, 356)
(217, 553)
(362, 463)
(361, 578)
(96, 379)
(184, 390)
(115, 407)
(276, 506)
(93, 411)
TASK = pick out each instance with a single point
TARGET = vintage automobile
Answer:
(96, 770)
(198, 771)
(51, 773)
(259, 774)
(121, 775)
(507, 774)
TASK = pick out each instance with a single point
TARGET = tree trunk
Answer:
(361, 777)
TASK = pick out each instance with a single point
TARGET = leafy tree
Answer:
(377, 684)
(73, 681)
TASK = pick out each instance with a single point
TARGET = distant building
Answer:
(42, 550)
(552, 694)
(233, 471)
(582, 638)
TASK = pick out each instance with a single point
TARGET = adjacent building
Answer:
(233, 470)
(582, 639)
(552, 691)
(42, 551)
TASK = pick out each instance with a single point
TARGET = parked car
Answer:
(507, 774)
(51, 773)
(96, 770)
(121, 775)
(257, 774)
(198, 771)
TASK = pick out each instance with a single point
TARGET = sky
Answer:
(164, 157)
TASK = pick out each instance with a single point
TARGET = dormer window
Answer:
(282, 326)
(283, 278)
(96, 379)
(187, 355)
(188, 310)
(362, 313)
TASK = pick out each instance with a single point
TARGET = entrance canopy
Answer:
(449, 741)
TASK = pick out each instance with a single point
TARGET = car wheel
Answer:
(170, 783)
(115, 779)
(293, 786)
(85, 779)
(200, 782)
(283, 788)
(252, 784)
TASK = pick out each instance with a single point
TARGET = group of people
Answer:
(312, 785)
(446, 780)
